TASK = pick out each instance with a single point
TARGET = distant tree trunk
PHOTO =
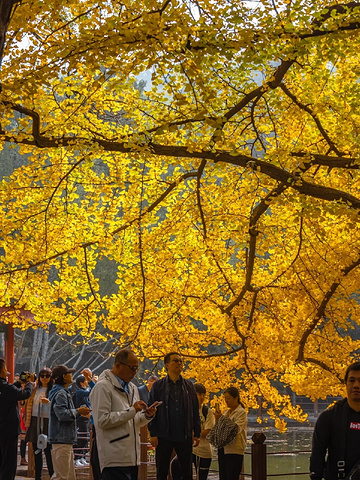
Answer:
(80, 355)
(2, 344)
(20, 345)
(44, 349)
(36, 347)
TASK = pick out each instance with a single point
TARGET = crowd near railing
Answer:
(147, 469)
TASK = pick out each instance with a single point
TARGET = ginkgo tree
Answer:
(225, 194)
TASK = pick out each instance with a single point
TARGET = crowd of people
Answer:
(183, 430)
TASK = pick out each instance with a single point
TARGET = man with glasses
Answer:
(177, 425)
(118, 415)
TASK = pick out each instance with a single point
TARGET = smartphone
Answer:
(156, 404)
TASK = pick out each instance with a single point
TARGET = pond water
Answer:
(288, 453)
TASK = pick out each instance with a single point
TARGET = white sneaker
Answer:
(78, 463)
(84, 461)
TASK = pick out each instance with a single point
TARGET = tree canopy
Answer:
(223, 196)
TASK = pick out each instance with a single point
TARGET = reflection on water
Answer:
(292, 452)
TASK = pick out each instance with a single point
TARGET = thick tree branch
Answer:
(198, 195)
(320, 314)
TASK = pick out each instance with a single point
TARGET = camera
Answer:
(24, 376)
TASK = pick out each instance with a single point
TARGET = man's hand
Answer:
(150, 411)
(87, 374)
(139, 405)
(154, 441)
(84, 411)
(196, 441)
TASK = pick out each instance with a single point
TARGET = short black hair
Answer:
(122, 355)
(2, 363)
(168, 356)
(354, 366)
(80, 379)
(234, 392)
(199, 388)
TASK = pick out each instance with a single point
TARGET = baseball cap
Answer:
(61, 370)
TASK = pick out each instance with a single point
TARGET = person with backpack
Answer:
(335, 450)
(202, 454)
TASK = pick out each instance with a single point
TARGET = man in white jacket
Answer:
(118, 415)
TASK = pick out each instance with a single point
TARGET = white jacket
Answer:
(117, 424)
(240, 418)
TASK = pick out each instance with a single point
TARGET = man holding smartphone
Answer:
(118, 414)
(177, 425)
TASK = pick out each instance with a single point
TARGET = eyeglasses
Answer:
(132, 367)
(45, 375)
(176, 360)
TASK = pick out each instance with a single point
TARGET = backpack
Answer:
(223, 433)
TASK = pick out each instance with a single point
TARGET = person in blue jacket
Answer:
(62, 425)
(82, 423)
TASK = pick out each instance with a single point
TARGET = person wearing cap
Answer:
(118, 415)
(62, 425)
(10, 395)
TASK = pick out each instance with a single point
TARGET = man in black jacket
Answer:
(337, 433)
(10, 421)
(177, 423)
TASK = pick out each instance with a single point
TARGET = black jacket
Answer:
(329, 437)
(10, 395)
(159, 426)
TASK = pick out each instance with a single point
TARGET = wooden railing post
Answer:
(258, 457)
(31, 460)
(143, 453)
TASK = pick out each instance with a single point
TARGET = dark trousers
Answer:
(94, 457)
(202, 466)
(39, 461)
(230, 465)
(183, 451)
(8, 458)
(22, 448)
(120, 473)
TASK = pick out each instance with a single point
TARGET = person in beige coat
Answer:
(118, 414)
(232, 455)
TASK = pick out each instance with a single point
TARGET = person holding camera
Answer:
(37, 411)
(10, 395)
(62, 426)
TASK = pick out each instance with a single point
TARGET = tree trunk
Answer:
(6, 8)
